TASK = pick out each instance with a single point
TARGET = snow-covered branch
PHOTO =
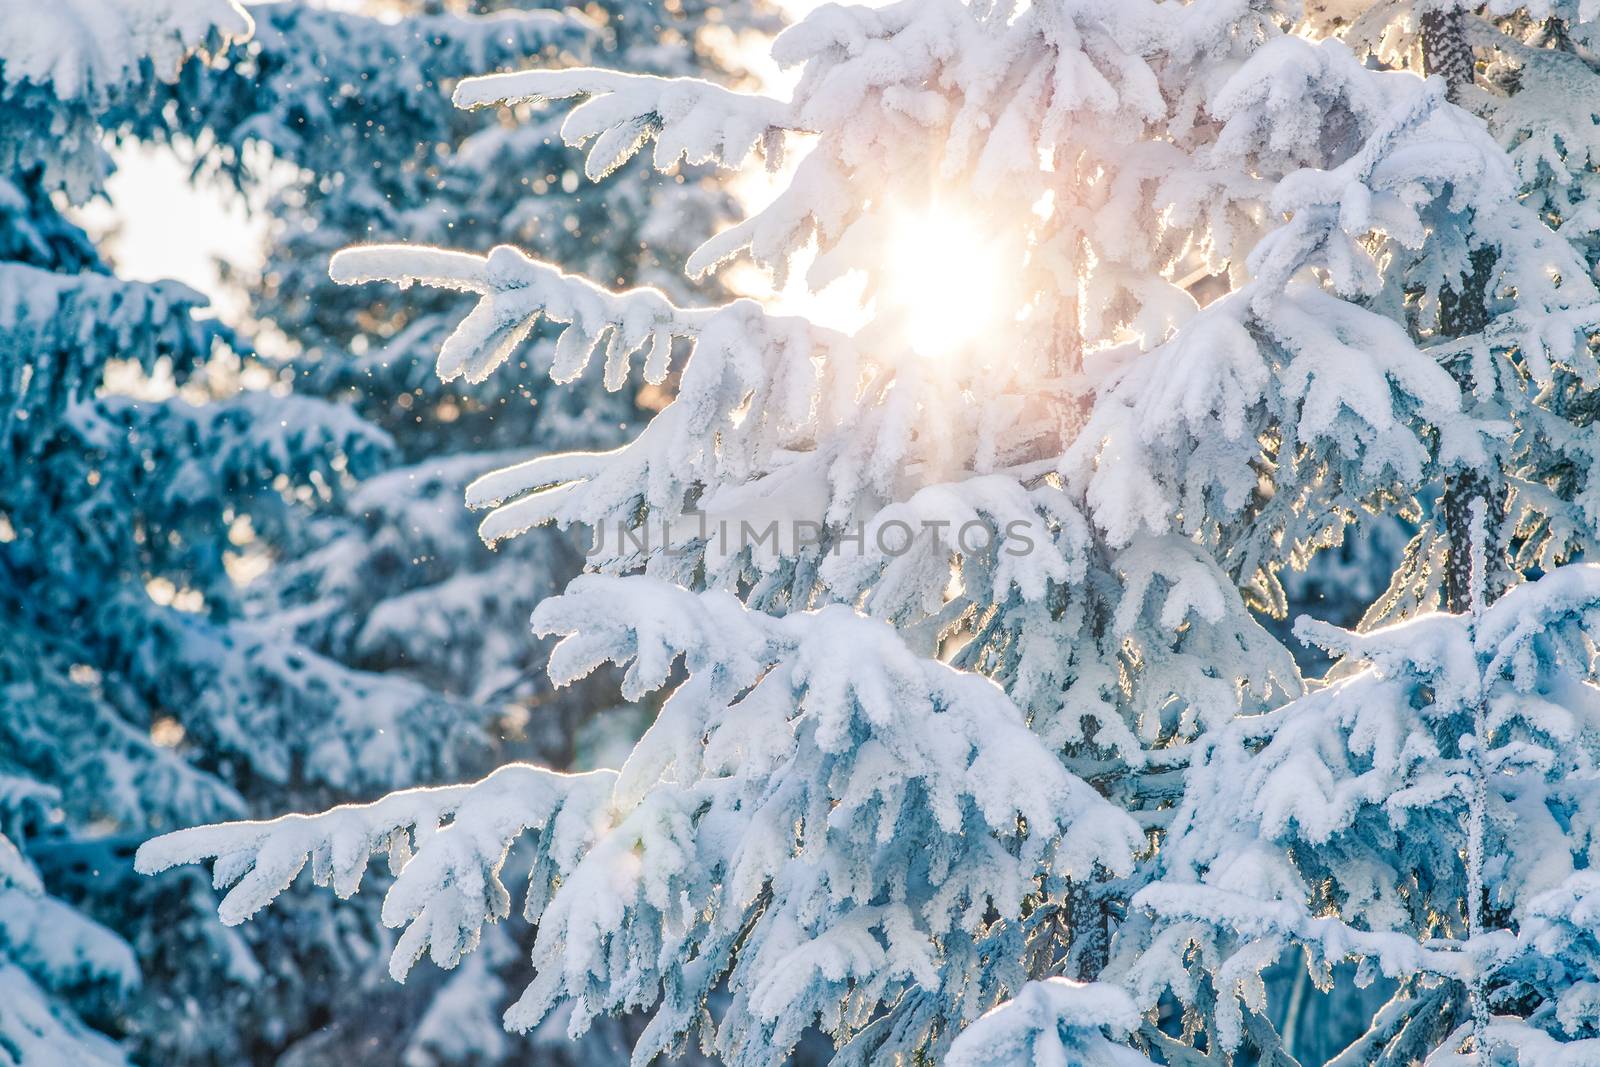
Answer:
(445, 845)
(516, 291)
(688, 119)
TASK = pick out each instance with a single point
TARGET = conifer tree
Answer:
(1427, 815)
(920, 742)
(1493, 733)
(83, 519)
(1528, 71)
(138, 695)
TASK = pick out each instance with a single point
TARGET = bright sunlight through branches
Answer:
(945, 278)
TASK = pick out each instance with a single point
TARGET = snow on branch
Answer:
(59, 945)
(516, 290)
(69, 70)
(687, 118)
(1338, 384)
(262, 93)
(1514, 632)
(848, 674)
(816, 741)
(1417, 149)
(91, 49)
(1048, 544)
(762, 385)
(446, 845)
(15, 870)
(1054, 1021)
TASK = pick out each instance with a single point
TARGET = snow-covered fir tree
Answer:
(136, 693)
(1454, 884)
(945, 608)
(1430, 814)
(76, 747)
(1530, 72)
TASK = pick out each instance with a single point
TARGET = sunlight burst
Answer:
(947, 279)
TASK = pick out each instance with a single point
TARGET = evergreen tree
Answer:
(101, 494)
(1529, 71)
(1429, 815)
(138, 693)
(1459, 891)
(904, 768)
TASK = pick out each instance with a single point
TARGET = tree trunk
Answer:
(1445, 50)
(1447, 53)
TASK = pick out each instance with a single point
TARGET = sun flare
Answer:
(946, 277)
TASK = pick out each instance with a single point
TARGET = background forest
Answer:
(1280, 749)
